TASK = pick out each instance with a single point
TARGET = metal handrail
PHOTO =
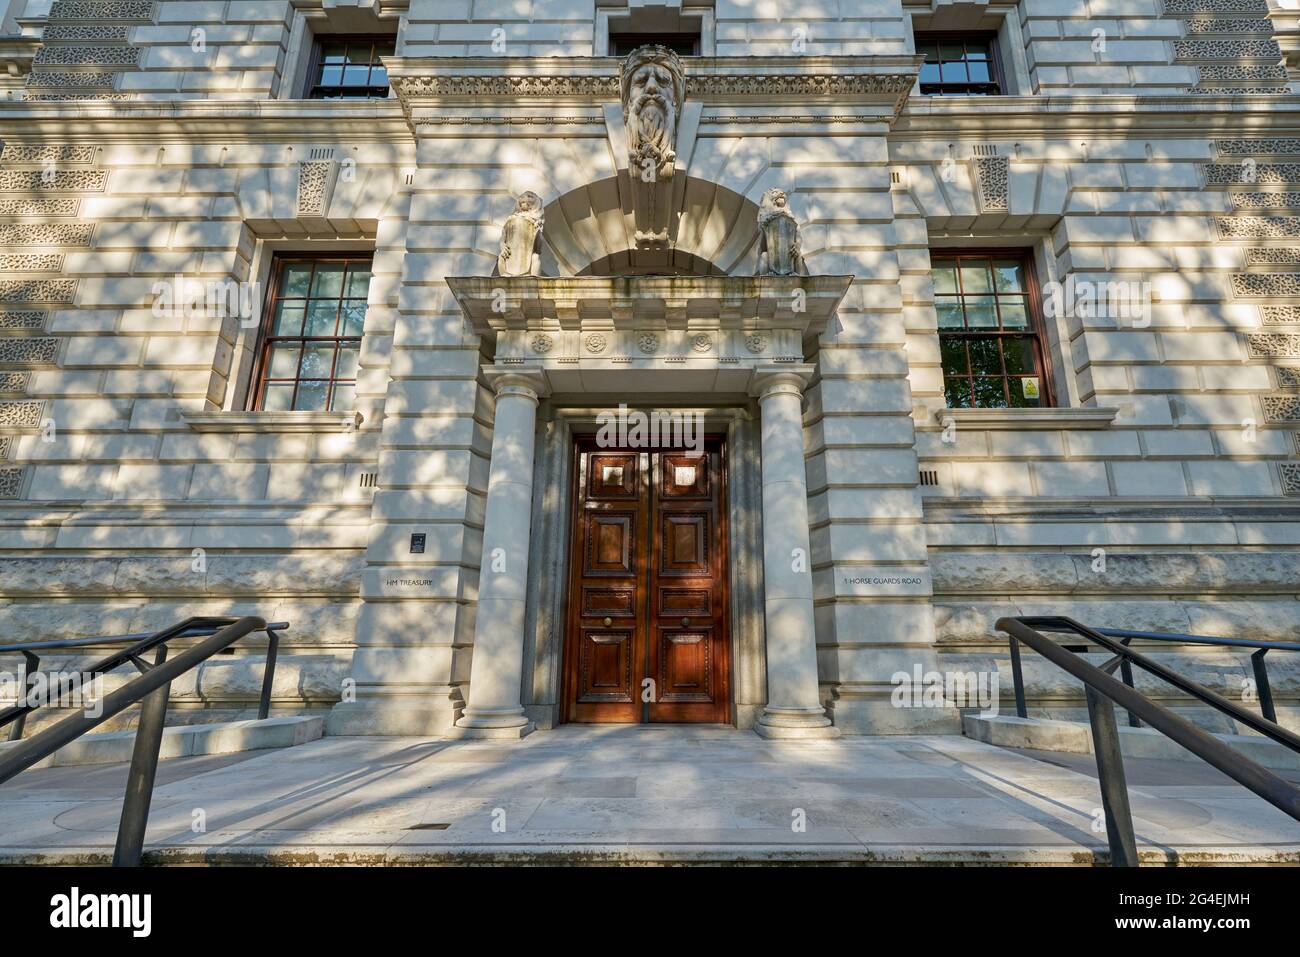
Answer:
(141, 644)
(152, 686)
(1103, 692)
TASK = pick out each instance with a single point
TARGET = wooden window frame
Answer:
(265, 340)
(952, 36)
(1036, 330)
(318, 41)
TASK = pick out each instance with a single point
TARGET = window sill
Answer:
(1015, 420)
(273, 421)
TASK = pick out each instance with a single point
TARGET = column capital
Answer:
(768, 380)
(526, 381)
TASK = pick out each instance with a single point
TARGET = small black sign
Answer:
(417, 543)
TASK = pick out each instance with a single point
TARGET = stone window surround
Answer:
(312, 19)
(1056, 344)
(618, 16)
(246, 342)
(1000, 18)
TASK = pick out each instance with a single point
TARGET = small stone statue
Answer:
(779, 253)
(521, 238)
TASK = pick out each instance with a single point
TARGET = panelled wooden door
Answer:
(647, 636)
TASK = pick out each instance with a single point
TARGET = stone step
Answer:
(186, 741)
(1040, 734)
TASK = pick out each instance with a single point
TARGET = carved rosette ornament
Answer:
(653, 86)
(521, 238)
(756, 342)
(648, 343)
(779, 249)
(542, 343)
(701, 342)
(596, 343)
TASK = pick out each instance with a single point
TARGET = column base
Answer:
(795, 725)
(462, 733)
(497, 725)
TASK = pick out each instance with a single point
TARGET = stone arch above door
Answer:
(590, 232)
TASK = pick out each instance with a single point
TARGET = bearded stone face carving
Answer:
(653, 86)
(779, 252)
(521, 238)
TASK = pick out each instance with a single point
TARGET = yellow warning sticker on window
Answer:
(1029, 387)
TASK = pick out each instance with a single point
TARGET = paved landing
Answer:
(640, 794)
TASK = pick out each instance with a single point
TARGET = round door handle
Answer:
(686, 623)
(608, 622)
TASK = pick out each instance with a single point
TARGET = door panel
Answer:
(647, 594)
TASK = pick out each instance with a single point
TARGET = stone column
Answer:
(794, 708)
(494, 709)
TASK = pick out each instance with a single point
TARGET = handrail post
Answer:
(268, 673)
(1262, 687)
(32, 664)
(1126, 674)
(144, 768)
(1110, 777)
(1018, 678)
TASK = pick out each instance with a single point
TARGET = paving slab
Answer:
(633, 795)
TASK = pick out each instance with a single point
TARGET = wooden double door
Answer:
(647, 636)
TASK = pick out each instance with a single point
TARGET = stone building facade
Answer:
(1041, 352)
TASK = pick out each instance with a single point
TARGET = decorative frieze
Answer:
(83, 32)
(1273, 345)
(31, 262)
(45, 234)
(21, 414)
(11, 482)
(1265, 200)
(1203, 25)
(1281, 408)
(14, 383)
(1273, 256)
(1280, 315)
(87, 56)
(136, 11)
(1290, 477)
(1256, 174)
(1271, 146)
(992, 178)
(54, 180)
(1221, 72)
(64, 206)
(22, 319)
(1288, 378)
(6, 442)
(1259, 227)
(28, 350)
(37, 290)
(1192, 8)
(315, 186)
(18, 153)
(1238, 90)
(77, 97)
(1265, 285)
(1226, 50)
(59, 79)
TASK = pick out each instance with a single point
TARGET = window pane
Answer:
(358, 284)
(1009, 275)
(328, 280)
(322, 317)
(975, 277)
(953, 72)
(984, 358)
(957, 393)
(949, 310)
(344, 398)
(284, 361)
(330, 75)
(1014, 313)
(333, 52)
(1024, 392)
(294, 279)
(287, 319)
(347, 364)
(976, 50)
(1019, 355)
(356, 75)
(278, 397)
(378, 75)
(311, 396)
(952, 353)
(979, 71)
(354, 318)
(980, 313)
(944, 274)
(990, 393)
(929, 73)
(317, 361)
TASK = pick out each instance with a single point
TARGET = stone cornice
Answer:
(223, 121)
(523, 81)
(923, 117)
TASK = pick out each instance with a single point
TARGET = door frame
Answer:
(580, 441)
